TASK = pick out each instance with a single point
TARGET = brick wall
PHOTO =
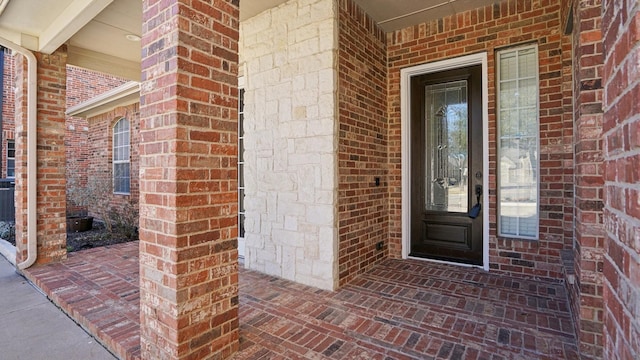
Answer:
(85, 84)
(51, 202)
(289, 56)
(188, 179)
(100, 156)
(8, 109)
(362, 142)
(20, 82)
(82, 85)
(587, 293)
(621, 132)
(488, 29)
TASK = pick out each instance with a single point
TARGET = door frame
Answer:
(241, 240)
(405, 117)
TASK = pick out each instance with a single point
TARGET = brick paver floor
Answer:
(402, 309)
(99, 289)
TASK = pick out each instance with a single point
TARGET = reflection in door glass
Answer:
(446, 147)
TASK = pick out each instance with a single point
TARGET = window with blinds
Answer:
(11, 159)
(121, 157)
(518, 142)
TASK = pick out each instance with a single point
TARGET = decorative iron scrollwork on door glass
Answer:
(446, 147)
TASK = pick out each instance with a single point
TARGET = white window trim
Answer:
(117, 162)
(405, 117)
(11, 141)
(241, 240)
(498, 205)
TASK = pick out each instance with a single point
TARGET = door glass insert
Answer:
(446, 146)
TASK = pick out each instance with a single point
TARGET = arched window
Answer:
(121, 157)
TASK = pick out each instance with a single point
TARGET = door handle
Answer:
(475, 210)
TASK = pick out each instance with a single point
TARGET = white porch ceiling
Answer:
(95, 30)
(397, 14)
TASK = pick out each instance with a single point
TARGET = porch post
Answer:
(188, 179)
(589, 176)
(20, 107)
(51, 158)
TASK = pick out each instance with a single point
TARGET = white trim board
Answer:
(241, 240)
(405, 96)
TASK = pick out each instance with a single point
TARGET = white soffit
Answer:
(393, 15)
(29, 17)
(45, 25)
(251, 8)
(95, 30)
(106, 33)
(73, 18)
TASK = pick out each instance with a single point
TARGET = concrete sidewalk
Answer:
(31, 327)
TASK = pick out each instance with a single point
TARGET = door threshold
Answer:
(481, 267)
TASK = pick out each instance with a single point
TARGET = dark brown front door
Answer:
(446, 165)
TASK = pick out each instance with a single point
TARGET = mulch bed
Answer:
(96, 237)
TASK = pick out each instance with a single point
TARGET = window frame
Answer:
(241, 164)
(115, 159)
(11, 146)
(499, 138)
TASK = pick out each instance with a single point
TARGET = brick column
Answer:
(589, 176)
(621, 126)
(21, 95)
(52, 184)
(51, 199)
(188, 174)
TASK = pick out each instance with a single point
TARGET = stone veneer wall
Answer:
(621, 127)
(289, 54)
(490, 28)
(362, 149)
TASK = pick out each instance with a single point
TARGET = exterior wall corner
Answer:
(289, 56)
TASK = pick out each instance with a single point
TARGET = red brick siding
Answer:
(100, 155)
(82, 85)
(489, 29)
(589, 180)
(621, 132)
(51, 202)
(362, 142)
(8, 109)
(20, 121)
(188, 179)
(571, 284)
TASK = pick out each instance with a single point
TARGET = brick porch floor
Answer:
(399, 310)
